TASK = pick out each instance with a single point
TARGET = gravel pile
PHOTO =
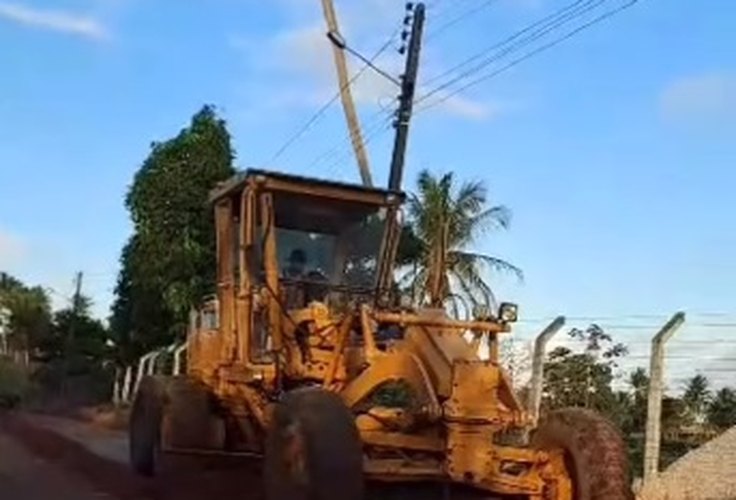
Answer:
(706, 473)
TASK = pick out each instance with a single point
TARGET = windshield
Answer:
(345, 260)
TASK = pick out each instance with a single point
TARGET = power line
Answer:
(323, 109)
(626, 317)
(527, 56)
(377, 130)
(344, 143)
(459, 18)
(556, 22)
(545, 22)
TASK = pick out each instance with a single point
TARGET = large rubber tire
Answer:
(190, 418)
(313, 429)
(144, 426)
(595, 453)
(175, 411)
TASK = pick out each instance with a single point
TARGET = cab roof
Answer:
(307, 186)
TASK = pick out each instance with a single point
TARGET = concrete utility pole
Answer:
(69, 344)
(406, 99)
(537, 380)
(656, 390)
(346, 95)
(406, 102)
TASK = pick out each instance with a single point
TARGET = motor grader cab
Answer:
(308, 359)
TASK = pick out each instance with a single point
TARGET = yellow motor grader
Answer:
(308, 358)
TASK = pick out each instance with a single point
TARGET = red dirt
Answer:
(181, 479)
(178, 481)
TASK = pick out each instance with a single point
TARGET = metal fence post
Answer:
(127, 383)
(656, 390)
(177, 357)
(141, 370)
(540, 344)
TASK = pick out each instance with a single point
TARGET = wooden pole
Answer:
(346, 95)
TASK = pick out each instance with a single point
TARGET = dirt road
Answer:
(78, 462)
(24, 476)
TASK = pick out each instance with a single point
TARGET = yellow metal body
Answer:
(250, 343)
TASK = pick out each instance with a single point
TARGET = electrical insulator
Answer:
(404, 35)
(407, 20)
(402, 50)
(409, 5)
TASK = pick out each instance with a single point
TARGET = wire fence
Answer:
(704, 345)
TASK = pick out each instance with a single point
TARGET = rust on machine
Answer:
(308, 357)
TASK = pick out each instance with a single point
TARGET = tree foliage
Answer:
(583, 376)
(77, 338)
(29, 314)
(696, 397)
(721, 410)
(445, 221)
(168, 264)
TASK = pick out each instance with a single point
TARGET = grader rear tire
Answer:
(595, 453)
(313, 449)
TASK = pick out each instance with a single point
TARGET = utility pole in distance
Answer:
(406, 99)
(69, 343)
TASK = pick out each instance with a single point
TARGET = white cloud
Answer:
(459, 106)
(302, 56)
(12, 250)
(54, 20)
(703, 98)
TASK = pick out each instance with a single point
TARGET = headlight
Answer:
(508, 312)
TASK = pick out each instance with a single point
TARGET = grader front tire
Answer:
(144, 432)
(313, 449)
(191, 422)
(595, 453)
(171, 412)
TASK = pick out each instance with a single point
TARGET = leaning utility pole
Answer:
(406, 99)
(346, 95)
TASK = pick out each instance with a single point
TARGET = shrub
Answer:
(14, 383)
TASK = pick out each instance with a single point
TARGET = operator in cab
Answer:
(303, 286)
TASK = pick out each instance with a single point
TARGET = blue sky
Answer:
(615, 150)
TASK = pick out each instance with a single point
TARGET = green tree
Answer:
(696, 397)
(29, 318)
(639, 382)
(445, 221)
(76, 338)
(169, 262)
(584, 377)
(721, 410)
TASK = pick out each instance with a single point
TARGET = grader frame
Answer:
(353, 340)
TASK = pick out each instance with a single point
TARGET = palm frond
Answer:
(498, 217)
(475, 286)
(471, 198)
(474, 259)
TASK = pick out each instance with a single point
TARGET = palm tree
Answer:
(722, 409)
(696, 397)
(445, 222)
